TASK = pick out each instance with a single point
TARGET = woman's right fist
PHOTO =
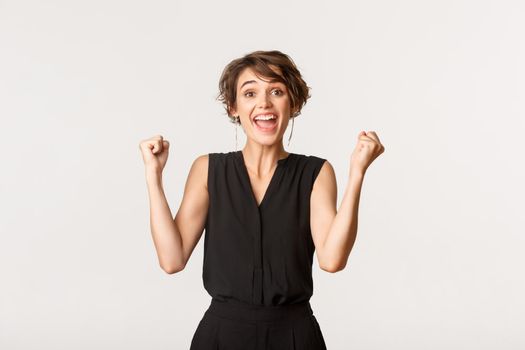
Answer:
(155, 152)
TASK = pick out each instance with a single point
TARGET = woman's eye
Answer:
(251, 93)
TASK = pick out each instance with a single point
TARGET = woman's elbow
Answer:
(333, 267)
(172, 269)
(171, 266)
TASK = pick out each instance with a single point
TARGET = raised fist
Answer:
(155, 152)
(368, 148)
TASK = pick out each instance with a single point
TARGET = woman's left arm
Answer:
(334, 231)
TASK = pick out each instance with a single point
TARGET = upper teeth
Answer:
(265, 117)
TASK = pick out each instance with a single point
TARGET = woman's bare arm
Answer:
(334, 231)
(175, 238)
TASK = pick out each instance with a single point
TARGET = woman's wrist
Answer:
(153, 176)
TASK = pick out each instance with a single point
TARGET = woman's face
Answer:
(260, 98)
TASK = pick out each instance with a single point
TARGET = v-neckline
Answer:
(267, 192)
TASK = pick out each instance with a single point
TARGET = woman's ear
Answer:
(293, 111)
(232, 111)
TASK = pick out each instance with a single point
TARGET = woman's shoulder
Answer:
(314, 164)
(215, 159)
(221, 155)
(200, 163)
(311, 158)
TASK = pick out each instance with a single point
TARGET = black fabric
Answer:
(239, 326)
(259, 256)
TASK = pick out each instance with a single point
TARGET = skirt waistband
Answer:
(238, 311)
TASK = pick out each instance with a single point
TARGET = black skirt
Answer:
(235, 326)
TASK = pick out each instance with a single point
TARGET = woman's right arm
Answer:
(175, 238)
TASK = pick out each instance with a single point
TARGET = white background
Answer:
(438, 261)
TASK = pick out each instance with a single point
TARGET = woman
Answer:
(265, 212)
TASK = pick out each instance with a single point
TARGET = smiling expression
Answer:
(263, 99)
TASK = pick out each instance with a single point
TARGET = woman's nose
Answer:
(265, 101)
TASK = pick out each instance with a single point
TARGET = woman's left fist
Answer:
(367, 149)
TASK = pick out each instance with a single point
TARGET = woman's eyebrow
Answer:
(247, 82)
(253, 81)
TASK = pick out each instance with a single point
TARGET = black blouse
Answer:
(259, 254)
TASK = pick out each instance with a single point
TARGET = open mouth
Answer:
(265, 122)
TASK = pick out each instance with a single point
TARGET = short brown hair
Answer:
(260, 62)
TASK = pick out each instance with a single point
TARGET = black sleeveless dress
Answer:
(258, 258)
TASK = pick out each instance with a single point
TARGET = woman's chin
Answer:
(268, 140)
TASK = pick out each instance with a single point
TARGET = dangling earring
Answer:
(291, 131)
(236, 127)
